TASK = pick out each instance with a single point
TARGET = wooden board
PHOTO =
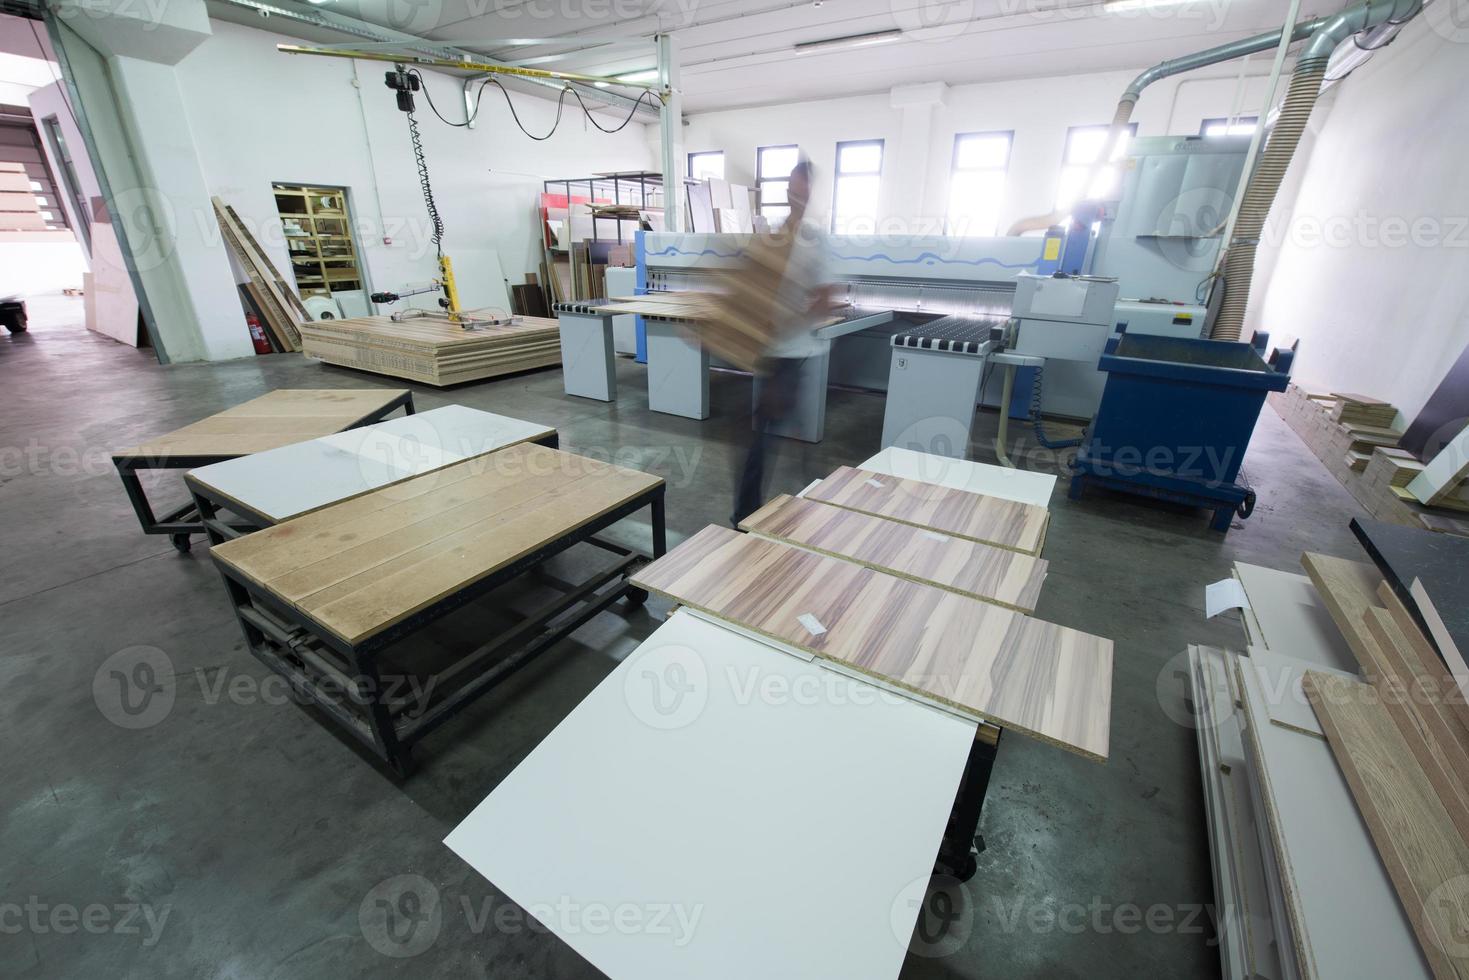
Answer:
(289, 481)
(267, 288)
(278, 418)
(1444, 473)
(1026, 486)
(988, 662)
(1349, 589)
(729, 813)
(990, 520)
(957, 564)
(1279, 677)
(1251, 946)
(1425, 856)
(1335, 890)
(433, 351)
(1416, 698)
(358, 567)
(1291, 617)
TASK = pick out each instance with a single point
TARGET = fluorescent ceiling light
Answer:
(850, 41)
(601, 84)
(647, 75)
(1113, 6)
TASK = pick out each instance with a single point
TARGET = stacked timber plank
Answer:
(432, 350)
(280, 308)
(1355, 740)
(1350, 452)
(917, 586)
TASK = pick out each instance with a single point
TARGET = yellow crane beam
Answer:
(476, 66)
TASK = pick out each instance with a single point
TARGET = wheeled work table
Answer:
(324, 598)
(279, 418)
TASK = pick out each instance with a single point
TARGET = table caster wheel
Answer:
(181, 543)
(636, 598)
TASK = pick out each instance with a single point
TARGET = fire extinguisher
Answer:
(257, 334)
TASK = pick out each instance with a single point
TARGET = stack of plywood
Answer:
(1348, 453)
(1359, 410)
(433, 350)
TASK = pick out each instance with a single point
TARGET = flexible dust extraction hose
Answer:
(1295, 112)
(1259, 194)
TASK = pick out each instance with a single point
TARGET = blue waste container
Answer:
(1175, 420)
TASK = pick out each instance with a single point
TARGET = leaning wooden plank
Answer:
(990, 520)
(278, 319)
(957, 564)
(287, 293)
(1336, 891)
(1426, 659)
(1425, 855)
(269, 277)
(987, 662)
(1349, 589)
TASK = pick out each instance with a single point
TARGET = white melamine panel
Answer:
(781, 818)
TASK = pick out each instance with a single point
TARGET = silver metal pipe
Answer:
(1213, 56)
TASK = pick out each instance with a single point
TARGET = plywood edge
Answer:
(926, 527)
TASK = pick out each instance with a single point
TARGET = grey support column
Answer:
(587, 368)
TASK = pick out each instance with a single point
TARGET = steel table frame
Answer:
(181, 522)
(309, 656)
(207, 503)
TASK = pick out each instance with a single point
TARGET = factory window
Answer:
(855, 189)
(773, 165)
(977, 184)
(1241, 126)
(1083, 147)
(708, 165)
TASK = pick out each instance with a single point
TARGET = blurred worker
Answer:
(802, 303)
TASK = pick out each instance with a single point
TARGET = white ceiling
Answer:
(741, 53)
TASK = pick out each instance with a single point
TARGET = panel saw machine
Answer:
(942, 325)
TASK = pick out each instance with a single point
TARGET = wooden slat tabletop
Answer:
(278, 418)
(991, 520)
(957, 564)
(993, 663)
(361, 566)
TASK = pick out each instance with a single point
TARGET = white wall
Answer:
(1038, 111)
(261, 116)
(1371, 264)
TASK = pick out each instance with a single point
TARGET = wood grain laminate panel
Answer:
(1349, 589)
(431, 350)
(1038, 678)
(277, 418)
(957, 564)
(1425, 654)
(361, 566)
(1426, 858)
(990, 520)
(1414, 698)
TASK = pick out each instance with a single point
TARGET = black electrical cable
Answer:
(428, 191)
(471, 116)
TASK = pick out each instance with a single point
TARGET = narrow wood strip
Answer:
(1038, 678)
(1425, 856)
(1349, 589)
(981, 571)
(989, 520)
(1415, 703)
(1425, 654)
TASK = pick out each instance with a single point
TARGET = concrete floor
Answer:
(237, 838)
